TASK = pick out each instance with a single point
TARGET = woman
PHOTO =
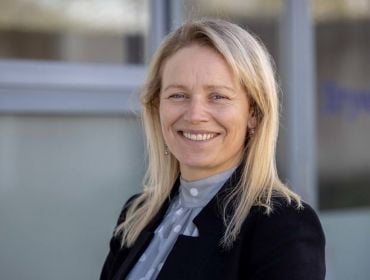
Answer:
(213, 206)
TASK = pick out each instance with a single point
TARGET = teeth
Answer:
(198, 137)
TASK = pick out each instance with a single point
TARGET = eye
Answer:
(218, 96)
(177, 96)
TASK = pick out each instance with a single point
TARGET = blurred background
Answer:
(71, 144)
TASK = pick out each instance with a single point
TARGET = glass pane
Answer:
(343, 67)
(110, 31)
(63, 180)
(261, 17)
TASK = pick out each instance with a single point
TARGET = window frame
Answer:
(53, 87)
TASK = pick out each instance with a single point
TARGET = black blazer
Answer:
(288, 244)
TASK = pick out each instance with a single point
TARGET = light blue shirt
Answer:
(193, 196)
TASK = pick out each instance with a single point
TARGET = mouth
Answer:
(198, 136)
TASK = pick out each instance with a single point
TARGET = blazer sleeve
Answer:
(288, 244)
(115, 244)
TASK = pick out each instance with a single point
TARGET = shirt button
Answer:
(194, 192)
(177, 229)
(179, 211)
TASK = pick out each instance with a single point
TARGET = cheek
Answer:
(164, 118)
(163, 123)
(168, 118)
(238, 126)
(161, 116)
(169, 114)
(233, 118)
(163, 113)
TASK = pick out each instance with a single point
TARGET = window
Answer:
(111, 31)
(343, 88)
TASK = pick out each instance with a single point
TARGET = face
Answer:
(204, 112)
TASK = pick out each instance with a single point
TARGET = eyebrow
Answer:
(216, 87)
(208, 87)
(175, 86)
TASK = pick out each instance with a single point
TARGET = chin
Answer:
(196, 162)
(199, 166)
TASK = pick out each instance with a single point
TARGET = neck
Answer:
(190, 174)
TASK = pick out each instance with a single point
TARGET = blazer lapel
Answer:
(190, 254)
(144, 238)
(134, 253)
(210, 220)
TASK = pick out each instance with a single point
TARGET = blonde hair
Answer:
(259, 182)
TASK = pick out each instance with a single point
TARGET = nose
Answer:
(196, 111)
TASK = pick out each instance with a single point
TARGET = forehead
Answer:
(196, 63)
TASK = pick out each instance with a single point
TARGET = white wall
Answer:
(348, 242)
(63, 180)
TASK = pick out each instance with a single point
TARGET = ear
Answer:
(252, 121)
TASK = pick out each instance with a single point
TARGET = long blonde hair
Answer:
(259, 183)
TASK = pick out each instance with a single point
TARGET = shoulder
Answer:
(288, 221)
(289, 241)
(286, 215)
(115, 242)
(126, 206)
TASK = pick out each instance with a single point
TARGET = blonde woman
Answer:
(213, 206)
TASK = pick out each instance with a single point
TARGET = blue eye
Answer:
(217, 96)
(177, 96)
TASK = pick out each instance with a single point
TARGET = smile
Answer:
(198, 136)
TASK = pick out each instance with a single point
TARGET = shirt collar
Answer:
(198, 193)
